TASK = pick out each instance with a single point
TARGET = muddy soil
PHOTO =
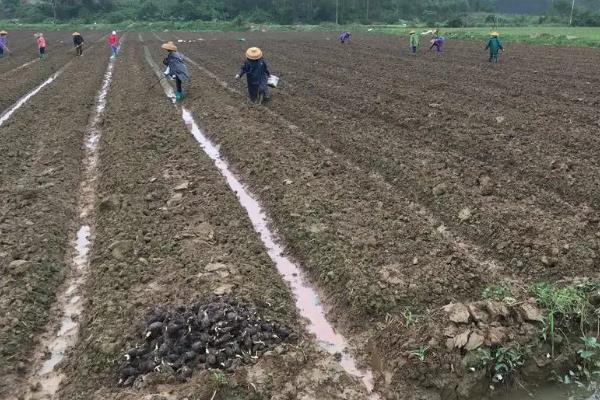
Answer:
(168, 230)
(511, 173)
(17, 81)
(400, 183)
(41, 154)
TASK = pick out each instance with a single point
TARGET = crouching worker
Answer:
(345, 37)
(78, 43)
(176, 68)
(257, 72)
(494, 46)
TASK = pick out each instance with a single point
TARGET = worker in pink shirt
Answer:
(41, 44)
(113, 42)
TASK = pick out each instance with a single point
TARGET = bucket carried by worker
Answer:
(273, 81)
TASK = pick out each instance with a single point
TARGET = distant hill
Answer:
(532, 7)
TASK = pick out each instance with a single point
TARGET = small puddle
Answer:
(46, 378)
(307, 299)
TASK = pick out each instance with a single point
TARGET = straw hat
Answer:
(412, 32)
(170, 46)
(3, 33)
(114, 32)
(254, 53)
(494, 34)
(76, 34)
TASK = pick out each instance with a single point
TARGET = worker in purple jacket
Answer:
(345, 36)
(438, 43)
(3, 40)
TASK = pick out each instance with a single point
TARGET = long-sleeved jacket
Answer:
(176, 66)
(494, 45)
(113, 40)
(41, 42)
(3, 42)
(414, 40)
(256, 70)
(77, 40)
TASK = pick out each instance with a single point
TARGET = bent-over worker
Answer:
(176, 68)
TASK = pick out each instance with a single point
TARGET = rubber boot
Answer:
(178, 96)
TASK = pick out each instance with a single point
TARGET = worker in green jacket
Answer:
(414, 42)
(494, 45)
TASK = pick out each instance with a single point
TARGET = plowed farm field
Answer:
(339, 241)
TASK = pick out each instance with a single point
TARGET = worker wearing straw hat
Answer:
(3, 41)
(78, 43)
(414, 42)
(494, 45)
(257, 73)
(176, 68)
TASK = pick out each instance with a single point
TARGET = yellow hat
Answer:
(170, 46)
(3, 33)
(254, 53)
(412, 32)
(494, 34)
(76, 34)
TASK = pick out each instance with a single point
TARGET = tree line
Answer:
(431, 12)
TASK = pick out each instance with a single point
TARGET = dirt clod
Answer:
(457, 312)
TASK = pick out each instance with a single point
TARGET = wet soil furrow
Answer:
(37, 207)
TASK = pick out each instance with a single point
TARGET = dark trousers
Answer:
(414, 49)
(255, 90)
(42, 50)
(79, 49)
(1, 51)
(178, 85)
(493, 57)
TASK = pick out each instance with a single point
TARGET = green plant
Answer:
(499, 362)
(220, 378)
(564, 306)
(497, 292)
(420, 353)
(587, 371)
(409, 318)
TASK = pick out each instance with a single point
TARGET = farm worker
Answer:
(345, 36)
(41, 44)
(494, 45)
(176, 68)
(113, 42)
(438, 43)
(257, 73)
(3, 41)
(414, 42)
(78, 43)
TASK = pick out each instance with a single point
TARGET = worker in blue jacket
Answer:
(176, 68)
(494, 45)
(257, 73)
